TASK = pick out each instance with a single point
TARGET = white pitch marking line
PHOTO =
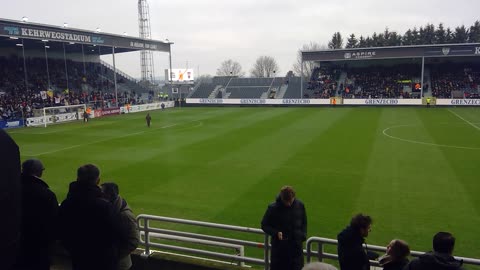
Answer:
(108, 139)
(468, 122)
(90, 143)
(423, 143)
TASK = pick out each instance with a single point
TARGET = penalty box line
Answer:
(466, 121)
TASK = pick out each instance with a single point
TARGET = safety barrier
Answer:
(150, 233)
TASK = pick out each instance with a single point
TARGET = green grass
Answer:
(226, 164)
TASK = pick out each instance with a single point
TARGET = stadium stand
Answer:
(234, 87)
(455, 81)
(94, 86)
(380, 81)
(248, 87)
(323, 83)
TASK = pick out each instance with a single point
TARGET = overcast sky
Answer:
(206, 32)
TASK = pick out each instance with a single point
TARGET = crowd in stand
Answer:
(323, 83)
(19, 100)
(453, 77)
(380, 82)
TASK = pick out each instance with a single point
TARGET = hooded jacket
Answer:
(351, 253)
(434, 261)
(292, 222)
(130, 236)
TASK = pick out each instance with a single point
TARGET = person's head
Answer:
(88, 174)
(287, 195)
(398, 249)
(110, 190)
(318, 266)
(362, 224)
(33, 167)
(443, 242)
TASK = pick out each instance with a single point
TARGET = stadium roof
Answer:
(444, 50)
(35, 35)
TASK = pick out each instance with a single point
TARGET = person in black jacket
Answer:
(89, 229)
(39, 218)
(10, 199)
(351, 253)
(286, 222)
(396, 256)
(441, 258)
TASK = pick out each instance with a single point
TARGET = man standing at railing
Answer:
(286, 222)
(352, 255)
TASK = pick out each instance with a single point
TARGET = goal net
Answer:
(63, 114)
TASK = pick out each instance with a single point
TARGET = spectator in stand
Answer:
(352, 255)
(90, 229)
(39, 218)
(396, 256)
(441, 258)
(285, 221)
(319, 266)
(128, 224)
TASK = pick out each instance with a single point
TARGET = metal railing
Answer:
(321, 254)
(149, 233)
(121, 73)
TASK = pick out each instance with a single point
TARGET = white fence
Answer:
(340, 102)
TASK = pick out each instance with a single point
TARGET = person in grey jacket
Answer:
(131, 236)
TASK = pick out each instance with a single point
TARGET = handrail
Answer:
(143, 222)
(125, 75)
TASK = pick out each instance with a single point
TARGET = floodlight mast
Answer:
(146, 56)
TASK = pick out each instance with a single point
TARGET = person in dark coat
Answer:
(148, 118)
(352, 255)
(39, 218)
(128, 223)
(396, 256)
(10, 199)
(441, 258)
(286, 222)
(90, 230)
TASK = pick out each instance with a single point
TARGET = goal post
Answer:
(62, 114)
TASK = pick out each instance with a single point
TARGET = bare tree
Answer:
(230, 68)
(264, 67)
(308, 67)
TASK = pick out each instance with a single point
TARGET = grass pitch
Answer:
(414, 170)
